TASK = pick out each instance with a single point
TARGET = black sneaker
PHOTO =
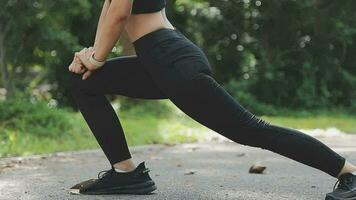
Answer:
(346, 189)
(137, 181)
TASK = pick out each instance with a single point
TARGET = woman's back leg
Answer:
(206, 101)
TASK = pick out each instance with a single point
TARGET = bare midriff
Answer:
(139, 25)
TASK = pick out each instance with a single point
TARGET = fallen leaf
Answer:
(190, 172)
(257, 169)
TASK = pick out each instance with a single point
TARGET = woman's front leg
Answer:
(120, 75)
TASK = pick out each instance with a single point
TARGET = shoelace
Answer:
(109, 171)
(106, 172)
(344, 184)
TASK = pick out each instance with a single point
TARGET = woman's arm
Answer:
(112, 27)
(100, 22)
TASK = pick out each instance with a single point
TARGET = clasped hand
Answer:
(81, 64)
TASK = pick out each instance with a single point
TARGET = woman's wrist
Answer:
(94, 56)
(97, 63)
(103, 60)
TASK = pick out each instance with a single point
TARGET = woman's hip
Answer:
(168, 49)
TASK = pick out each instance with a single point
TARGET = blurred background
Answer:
(290, 62)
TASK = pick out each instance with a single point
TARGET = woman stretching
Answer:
(170, 66)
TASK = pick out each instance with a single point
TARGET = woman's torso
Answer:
(163, 47)
(141, 24)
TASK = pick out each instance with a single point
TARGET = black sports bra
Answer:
(147, 6)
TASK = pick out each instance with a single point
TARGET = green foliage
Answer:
(293, 54)
(34, 117)
(28, 125)
(140, 107)
(40, 38)
(286, 54)
(239, 91)
(28, 128)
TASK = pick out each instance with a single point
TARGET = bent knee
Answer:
(79, 86)
(74, 81)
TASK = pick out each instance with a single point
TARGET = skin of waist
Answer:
(141, 24)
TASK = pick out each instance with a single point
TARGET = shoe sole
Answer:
(141, 188)
(83, 183)
(334, 198)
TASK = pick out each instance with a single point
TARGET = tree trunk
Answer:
(317, 18)
(5, 76)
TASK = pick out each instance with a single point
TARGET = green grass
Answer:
(346, 124)
(146, 129)
(20, 142)
(141, 126)
(341, 119)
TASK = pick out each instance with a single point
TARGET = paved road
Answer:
(220, 172)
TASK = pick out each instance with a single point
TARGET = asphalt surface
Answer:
(205, 170)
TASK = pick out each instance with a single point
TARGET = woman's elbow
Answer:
(119, 10)
(120, 18)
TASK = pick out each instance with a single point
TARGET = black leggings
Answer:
(169, 66)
